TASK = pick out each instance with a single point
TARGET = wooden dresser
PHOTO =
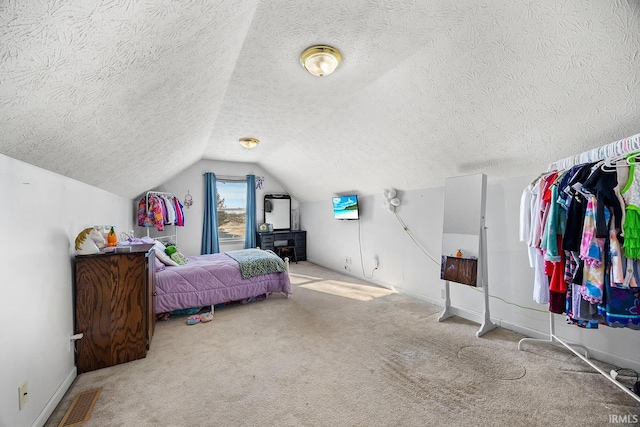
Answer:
(114, 307)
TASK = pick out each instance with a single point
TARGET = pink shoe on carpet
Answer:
(206, 317)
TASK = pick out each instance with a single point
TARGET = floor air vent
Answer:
(80, 410)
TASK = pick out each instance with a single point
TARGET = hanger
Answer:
(610, 164)
(540, 176)
(631, 158)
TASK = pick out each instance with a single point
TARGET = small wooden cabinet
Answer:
(295, 238)
(114, 307)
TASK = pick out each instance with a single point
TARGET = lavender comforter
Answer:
(209, 280)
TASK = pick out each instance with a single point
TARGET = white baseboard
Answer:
(352, 274)
(55, 399)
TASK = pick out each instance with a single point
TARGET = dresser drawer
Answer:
(267, 238)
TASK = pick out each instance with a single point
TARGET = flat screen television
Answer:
(345, 207)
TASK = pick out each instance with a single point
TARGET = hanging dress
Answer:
(631, 195)
(592, 252)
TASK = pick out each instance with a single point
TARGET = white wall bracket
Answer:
(73, 339)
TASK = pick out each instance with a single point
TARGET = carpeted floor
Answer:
(341, 352)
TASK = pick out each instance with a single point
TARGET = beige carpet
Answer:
(340, 352)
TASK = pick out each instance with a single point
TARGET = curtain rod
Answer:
(228, 177)
(623, 146)
(159, 193)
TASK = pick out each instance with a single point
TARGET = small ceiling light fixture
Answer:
(249, 143)
(320, 60)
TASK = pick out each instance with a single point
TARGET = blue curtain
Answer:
(210, 225)
(250, 230)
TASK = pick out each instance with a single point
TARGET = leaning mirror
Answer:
(464, 241)
(277, 211)
(464, 207)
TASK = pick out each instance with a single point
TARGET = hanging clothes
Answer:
(602, 183)
(577, 206)
(150, 212)
(536, 257)
(631, 195)
(593, 254)
(622, 307)
(573, 222)
(158, 210)
(179, 212)
(171, 210)
(624, 272)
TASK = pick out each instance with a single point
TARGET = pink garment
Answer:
(179, 212)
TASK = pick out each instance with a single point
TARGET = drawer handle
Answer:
(153, 294)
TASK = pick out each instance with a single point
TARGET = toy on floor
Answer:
(193, 319)
(206, 317)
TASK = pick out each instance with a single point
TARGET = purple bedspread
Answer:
(209, 280)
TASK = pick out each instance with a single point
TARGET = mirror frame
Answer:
(280, 222)
(463, 216)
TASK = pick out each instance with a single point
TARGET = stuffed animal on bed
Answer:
(176, 255)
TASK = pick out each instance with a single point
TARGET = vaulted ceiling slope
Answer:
(124, 94)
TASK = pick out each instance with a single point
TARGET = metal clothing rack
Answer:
(621, 147)
(175, 228)
(554, 340)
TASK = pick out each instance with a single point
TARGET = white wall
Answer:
(41, 215)
(192, 180)
(43, 212)
(405, 267)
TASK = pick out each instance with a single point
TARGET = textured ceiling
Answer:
(124, 94)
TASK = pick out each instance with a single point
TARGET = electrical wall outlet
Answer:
(375, 263)
(23, 394)
(347, 260)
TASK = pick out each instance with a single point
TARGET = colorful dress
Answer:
(593, 254)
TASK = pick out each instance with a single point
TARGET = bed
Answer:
(207, 280)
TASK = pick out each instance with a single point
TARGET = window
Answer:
(232, 207)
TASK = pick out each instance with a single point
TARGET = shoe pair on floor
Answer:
(198, 318)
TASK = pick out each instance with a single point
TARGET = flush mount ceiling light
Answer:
(320, 60)
(248, 143)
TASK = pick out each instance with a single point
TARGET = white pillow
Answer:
(159, 250)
